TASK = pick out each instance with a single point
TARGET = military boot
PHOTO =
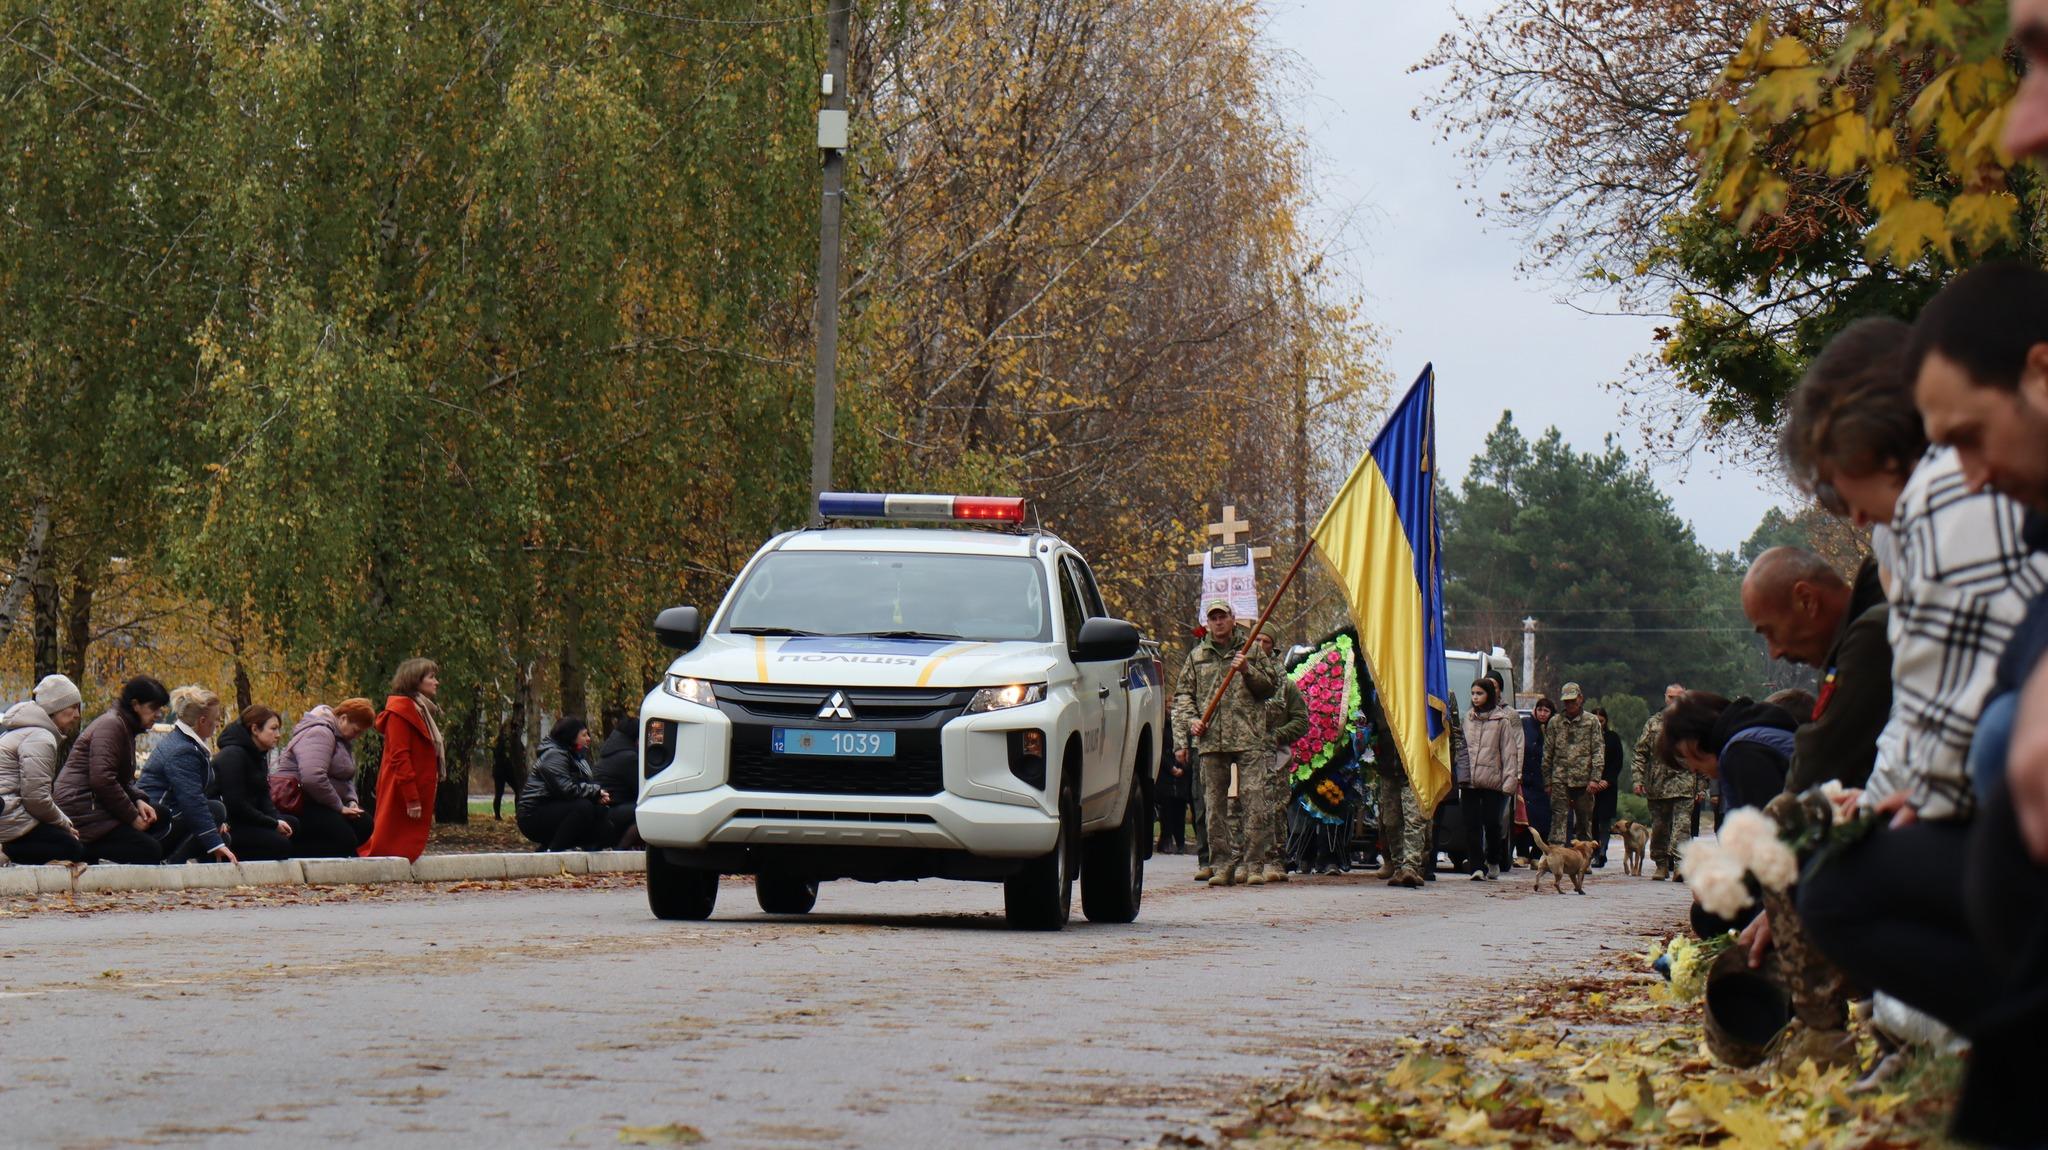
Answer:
(1405, 876)
(1275, 873)
(1204, 874)
(1253, 876)
(1386, 868)
(1224, 877)
(1663, 872)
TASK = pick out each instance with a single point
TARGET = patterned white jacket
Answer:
(1961, 581)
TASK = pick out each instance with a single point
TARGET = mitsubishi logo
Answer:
(836, 708)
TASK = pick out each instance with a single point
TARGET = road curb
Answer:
(108, 878)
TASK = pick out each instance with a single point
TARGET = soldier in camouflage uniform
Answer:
(1234, 739)
(1265, 817)
(1669, 786)
(1404, 825)
(1574, 750)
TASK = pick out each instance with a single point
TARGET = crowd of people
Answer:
(73, 792)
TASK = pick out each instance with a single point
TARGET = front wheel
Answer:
(785, 894)
(677, 892)
(1041, 896)
(1113, 868)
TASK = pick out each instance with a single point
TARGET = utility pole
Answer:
(1529, 655)
(1301, 604)
(832, 142)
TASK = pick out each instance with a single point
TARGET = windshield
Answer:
(989, 598)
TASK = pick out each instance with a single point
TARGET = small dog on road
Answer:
(1561, 862)
(1635, 843)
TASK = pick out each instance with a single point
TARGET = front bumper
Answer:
(946, 822)
(975, 806)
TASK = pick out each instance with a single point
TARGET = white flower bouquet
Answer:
(1762, 850)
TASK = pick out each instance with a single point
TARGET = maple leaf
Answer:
(1983, 219)
(1781, 94)
(1908, 229)
(1888, 185)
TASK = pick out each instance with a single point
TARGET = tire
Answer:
(785, 894)
(678, 893)
(1113, 868)
(1041, 896)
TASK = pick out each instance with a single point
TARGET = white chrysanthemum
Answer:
(1746, 833)
(1719, 885)
(1700, 853)
(1774, 865)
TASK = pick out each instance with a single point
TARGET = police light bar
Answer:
(956, 508)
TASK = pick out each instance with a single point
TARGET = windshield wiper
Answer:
(912, 635)
(789, 631)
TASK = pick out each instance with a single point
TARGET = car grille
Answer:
(914, 714)
(879, 708)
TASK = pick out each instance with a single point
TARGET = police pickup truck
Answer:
(881, 703)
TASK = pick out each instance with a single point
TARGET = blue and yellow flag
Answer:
(1380, 540)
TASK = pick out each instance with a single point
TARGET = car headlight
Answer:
(1003, 698)
(690, 690)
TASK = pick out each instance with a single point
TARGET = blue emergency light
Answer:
(957, 508)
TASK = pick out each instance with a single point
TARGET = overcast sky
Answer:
(1441, 283)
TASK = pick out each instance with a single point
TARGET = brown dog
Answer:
(1635, 843)
(1560, 863)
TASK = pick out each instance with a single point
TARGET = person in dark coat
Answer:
(1535, 792)
(242, 768)
(177, 777)
(1609, 786)
(508, 762)
(618, 772)
(562, 807)
(1742, 746)
(1170, 794)
(96, 786)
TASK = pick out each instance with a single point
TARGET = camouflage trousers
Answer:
(1404, 826)
(1265, 822)
(1669, 830)
(1820, 995)
(1227, 818)
(1575, 803)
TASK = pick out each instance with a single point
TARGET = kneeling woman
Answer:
(562, 807)
(242, 768)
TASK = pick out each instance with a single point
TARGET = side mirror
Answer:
(1105, 641)
(679, 628)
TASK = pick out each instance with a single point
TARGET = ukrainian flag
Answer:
(1380, 540)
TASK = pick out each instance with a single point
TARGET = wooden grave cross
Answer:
(1228, 530)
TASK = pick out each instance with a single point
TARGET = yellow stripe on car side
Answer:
(924, 679)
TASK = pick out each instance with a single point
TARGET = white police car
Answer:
(904, 703)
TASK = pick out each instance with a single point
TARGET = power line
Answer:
(1540, 612)
(1647, 630)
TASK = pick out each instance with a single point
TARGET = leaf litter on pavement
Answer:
(1611, 1061)
(242, 897)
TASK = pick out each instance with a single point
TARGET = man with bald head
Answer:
(1808, 614)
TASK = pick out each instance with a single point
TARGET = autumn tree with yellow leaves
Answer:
(337, 331)
(1761, 171)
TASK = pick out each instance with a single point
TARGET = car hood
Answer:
(868, 662)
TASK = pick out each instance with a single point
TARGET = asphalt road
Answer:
(893, 1016)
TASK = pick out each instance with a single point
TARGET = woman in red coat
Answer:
(411, 764)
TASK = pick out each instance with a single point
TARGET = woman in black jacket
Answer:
(242, 769)
(562, 807)
(618, 772)
(1743, 746)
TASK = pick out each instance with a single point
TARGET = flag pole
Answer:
(1272, 601)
